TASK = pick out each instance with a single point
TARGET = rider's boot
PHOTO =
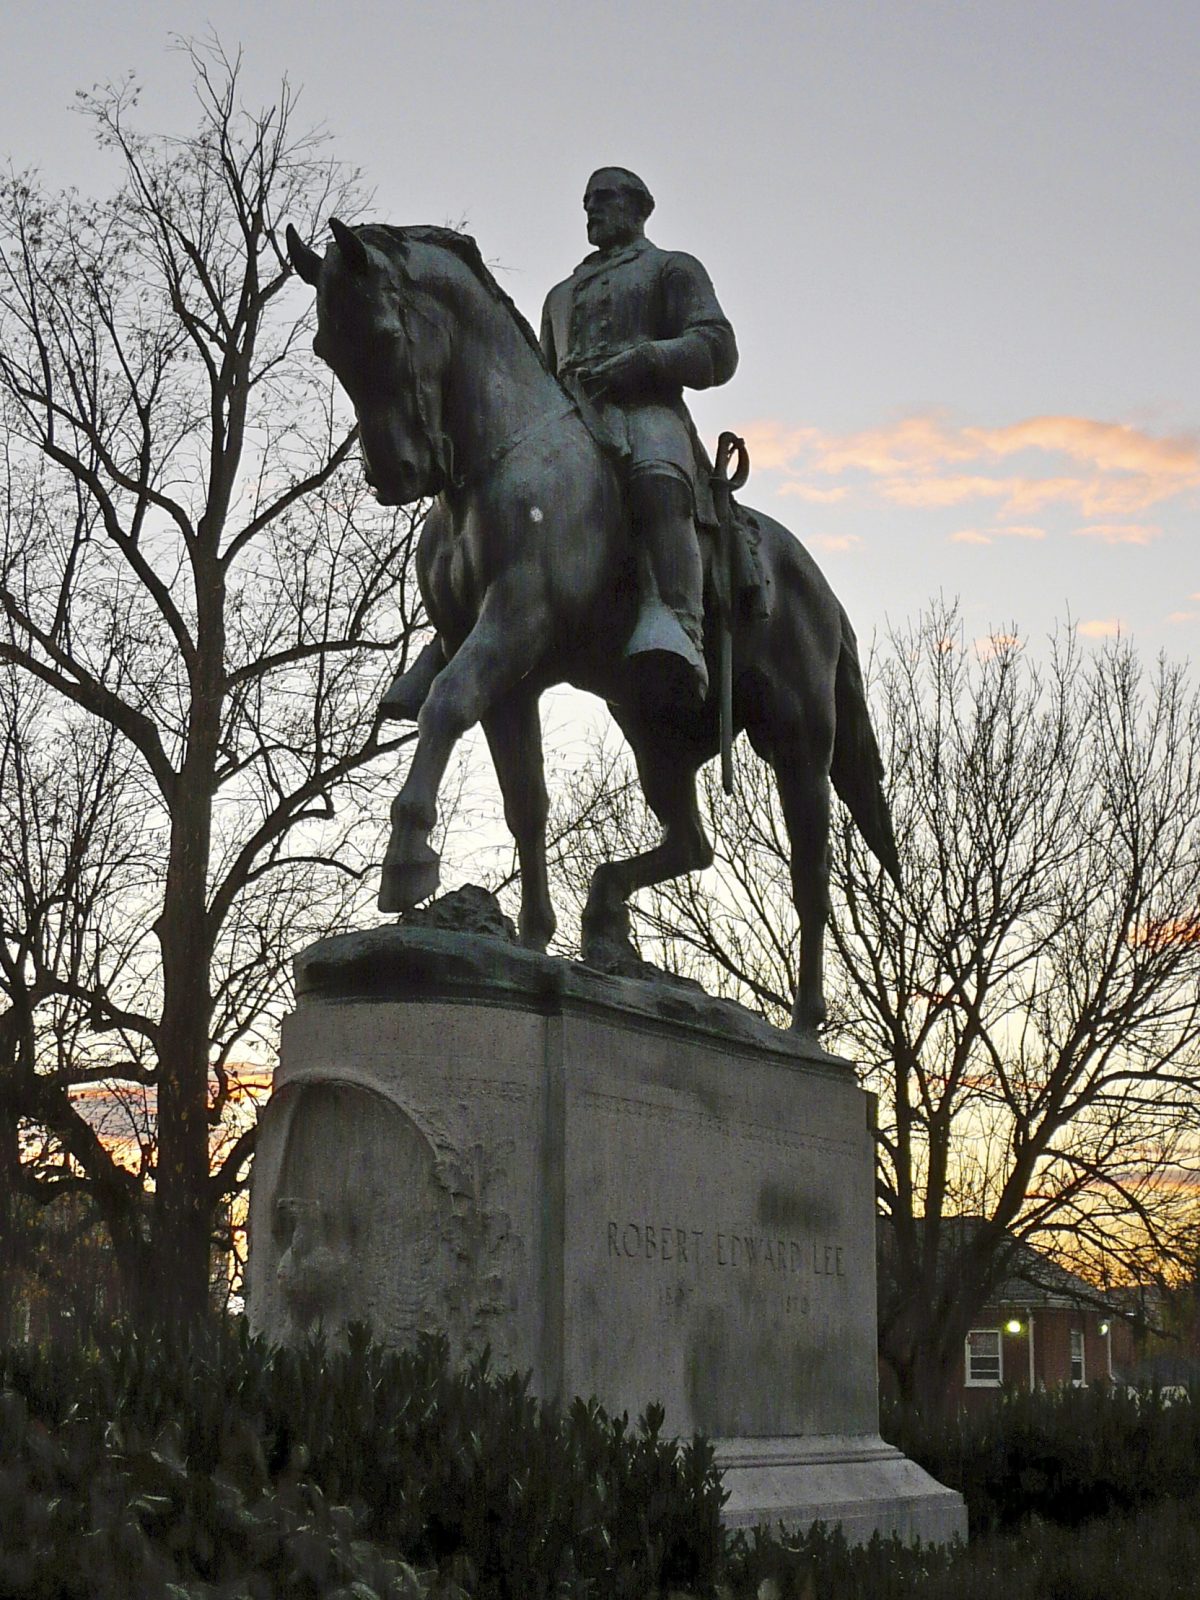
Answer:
(666, 647)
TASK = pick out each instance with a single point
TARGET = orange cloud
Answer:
(1010, 530)
(806, 491)
(970, 536)
(1183, 616)
(1100, 628)
(997, 644)
(774, 447)
(928, 489)
(1119, 532)
(1171, 931)
(1110, 446)
(913, 444)
(835, 541)
(920, 461)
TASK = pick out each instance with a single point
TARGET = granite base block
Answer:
(629, 1190)
(859, 1484)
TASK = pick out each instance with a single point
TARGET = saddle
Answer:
(750, 585)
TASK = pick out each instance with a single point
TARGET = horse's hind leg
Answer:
(514, 737)
(668, 775)
(805, 798)
(800, 757)
(501, 648)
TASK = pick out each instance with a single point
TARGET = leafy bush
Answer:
(220, 1470)
(1064, 1455)
(1154, 1555)
(161, 1461)
(129, 1519)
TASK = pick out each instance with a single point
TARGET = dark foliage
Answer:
(1065, 1456)
(216, 1462)
(215, 1469)
(1154, 1555)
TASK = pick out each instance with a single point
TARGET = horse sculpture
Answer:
(527, 570)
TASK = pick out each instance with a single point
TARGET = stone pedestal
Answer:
(629, 1188)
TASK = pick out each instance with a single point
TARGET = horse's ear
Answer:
(305, 260)
(354, 251)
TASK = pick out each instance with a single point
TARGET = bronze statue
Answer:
(628, 331)
(529, 567)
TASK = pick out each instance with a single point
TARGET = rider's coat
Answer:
(664, 302)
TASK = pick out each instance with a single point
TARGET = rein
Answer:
(507, 446)
(438, 442)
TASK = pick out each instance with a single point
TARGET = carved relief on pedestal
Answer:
(377, 1217)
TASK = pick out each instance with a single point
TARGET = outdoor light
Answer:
(1103, 1329)
(1012, 1326)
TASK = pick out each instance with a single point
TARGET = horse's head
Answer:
(388, 348)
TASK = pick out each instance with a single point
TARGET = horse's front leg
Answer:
(408, 690)
(501, 648)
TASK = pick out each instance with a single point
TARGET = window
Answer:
(983, 1358)
(1077, 1372)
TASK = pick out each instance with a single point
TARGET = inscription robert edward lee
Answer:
(645, 1241)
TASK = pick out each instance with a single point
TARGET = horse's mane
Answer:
(468, 252)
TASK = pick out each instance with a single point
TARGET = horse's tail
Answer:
(857, 770)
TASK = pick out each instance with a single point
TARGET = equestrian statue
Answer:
(579, 534)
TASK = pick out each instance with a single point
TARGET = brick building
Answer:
(1044, 1326)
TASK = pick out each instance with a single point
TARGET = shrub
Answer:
(161, 1460)
(1154, 1555)
(123, 1517)
(1064, 1455)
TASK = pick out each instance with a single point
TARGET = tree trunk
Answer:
(182, 1217)
(11, 1251)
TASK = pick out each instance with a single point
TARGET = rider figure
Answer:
(628, 330)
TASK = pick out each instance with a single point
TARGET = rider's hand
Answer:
(628, 375)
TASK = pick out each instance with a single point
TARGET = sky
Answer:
(959, 243)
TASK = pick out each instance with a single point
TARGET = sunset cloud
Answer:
(997, 644)
(1109, 472)
(927, 489)
(1183, 616)
(835, 541)
(1110, 446)
(776, 448)
(1100, 628)
(807, 491)
(1019, 530)
(1120, 532)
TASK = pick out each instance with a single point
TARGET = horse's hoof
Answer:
(404, 699)
(807, 1023)
(404, 884)
(398, 708)
(607, 943)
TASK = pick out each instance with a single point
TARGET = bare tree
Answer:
(189, 564)
(1026, 1007)
(69, 853)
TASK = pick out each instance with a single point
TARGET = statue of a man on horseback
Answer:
(627, 332)
(550, 557)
